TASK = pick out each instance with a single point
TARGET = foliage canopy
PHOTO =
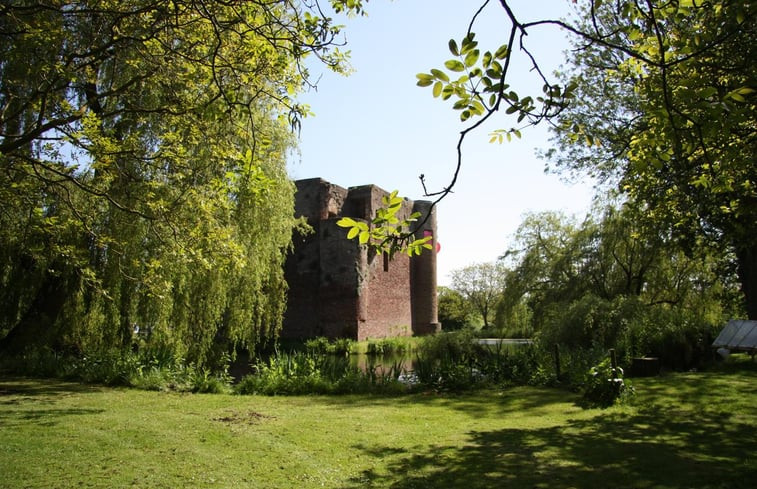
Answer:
(142, 168)
(666, 104)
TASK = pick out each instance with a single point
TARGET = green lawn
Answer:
(682, 431)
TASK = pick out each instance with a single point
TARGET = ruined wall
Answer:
(317, 201)
(386, 292)
(425, 303)
(338, 288)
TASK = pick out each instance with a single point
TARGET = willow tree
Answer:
(142, 168)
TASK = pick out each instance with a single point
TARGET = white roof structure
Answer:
(738, 335)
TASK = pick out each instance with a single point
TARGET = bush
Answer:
(455, 312)
(679, 336)
(457, 361)
(604, 386)
(299, 373)
(149, 370)
(389, 347)
(323, 346)
(319, 345)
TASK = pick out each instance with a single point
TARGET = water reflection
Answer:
(383, 364)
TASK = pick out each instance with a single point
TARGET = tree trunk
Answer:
(746, 261)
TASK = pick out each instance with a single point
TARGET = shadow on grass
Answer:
(482, 403)
(41, 417)
(648, 449)
(35, 400)
(11, 386)
(720, 388)
(689, 430)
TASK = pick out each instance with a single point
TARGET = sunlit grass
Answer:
(682, 430)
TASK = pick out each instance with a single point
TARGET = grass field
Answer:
(692, 430)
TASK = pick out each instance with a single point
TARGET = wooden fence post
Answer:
(614, 363)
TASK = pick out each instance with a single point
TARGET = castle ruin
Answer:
(340, 289)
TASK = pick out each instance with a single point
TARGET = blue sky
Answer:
(376, 126)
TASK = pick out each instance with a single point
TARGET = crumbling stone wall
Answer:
(338, 288)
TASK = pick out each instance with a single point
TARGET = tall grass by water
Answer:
(452, 362)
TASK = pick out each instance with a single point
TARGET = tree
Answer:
(545, 261)
(454, 311)
(142, 168)
(555, 260)
(611, 278)
(666, 100)
(482, 286)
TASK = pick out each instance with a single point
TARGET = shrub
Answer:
(342, 346)
(42, 362)
(679, 338)
(308, 373)
(678, 335)
(323, 346)
(389, 347)
(604, 385)
(457, 361)
(319, 345)
(110, 368)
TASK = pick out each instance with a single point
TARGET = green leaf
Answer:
(477, 107)
(468, 43)
(454, 65)
(501, 52)
(460, 104)
(471, 58)
(424, 79)
(453, 47)
(364, 237)
(346, 222)
(437, 89)
(353, 232)
(487, 59)
(439, 75)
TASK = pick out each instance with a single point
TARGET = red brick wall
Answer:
(387, 296)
